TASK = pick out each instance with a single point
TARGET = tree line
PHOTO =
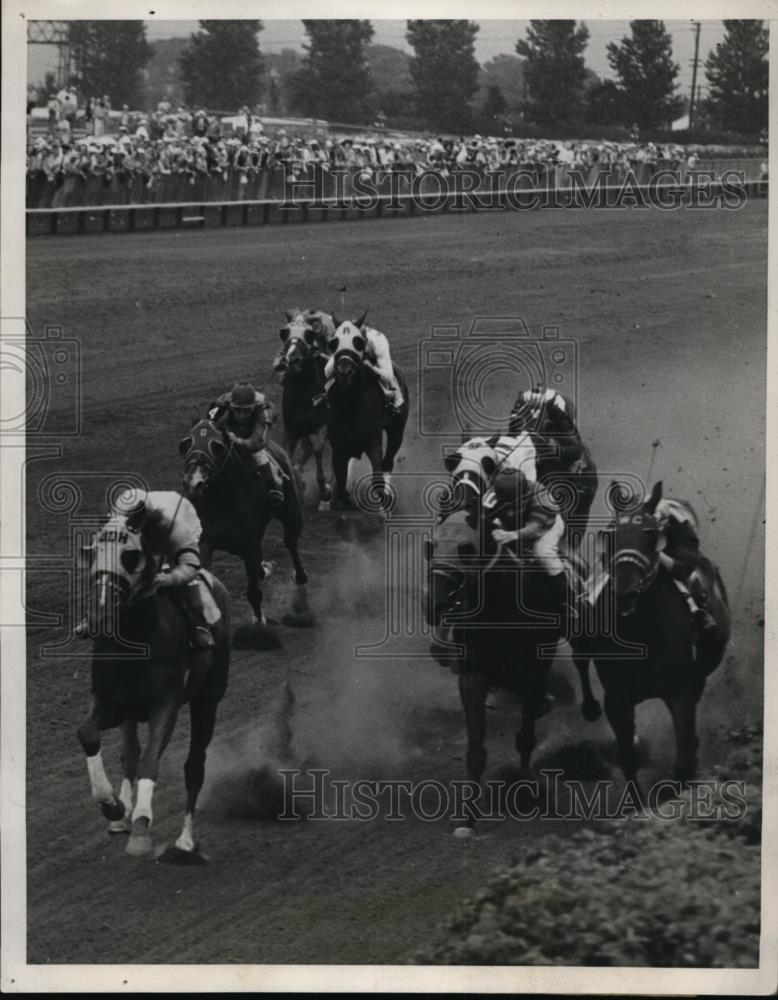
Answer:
(343, 77)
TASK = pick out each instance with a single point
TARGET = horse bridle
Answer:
(199, 457)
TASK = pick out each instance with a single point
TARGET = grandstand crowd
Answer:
(96, 154)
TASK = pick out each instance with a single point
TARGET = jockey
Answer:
(525, 517)
(378, 359)
(680, 557)
(547, 412)
(171, 529)
(246, 420)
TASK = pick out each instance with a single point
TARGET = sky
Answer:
(494, 38)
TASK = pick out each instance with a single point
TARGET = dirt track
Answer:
(669, 312)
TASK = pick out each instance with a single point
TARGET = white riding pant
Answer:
(547, 548)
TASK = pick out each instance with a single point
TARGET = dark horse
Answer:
(358, 415)
(503, 617)
(140, 663)
(234, 507)
(303, 405)
(646, 642)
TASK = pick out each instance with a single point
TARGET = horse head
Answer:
(204, 451)
(121, 569)
(303, 332)
(450, 556)
(347, 347)
(632, 558)
(471, 467)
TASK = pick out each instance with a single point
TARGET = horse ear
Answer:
(656, 496)
(361, 321)
(194, 414)
(185, 444)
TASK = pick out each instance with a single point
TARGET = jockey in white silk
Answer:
(376, 356)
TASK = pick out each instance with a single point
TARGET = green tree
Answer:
(334, 81)
(643, 63)
(737, 74)
(554, 69)
(507, 73)
(604, 105)
(495, 104)
(222, 68)
(108, 58)
(281, 70)
(444, 71)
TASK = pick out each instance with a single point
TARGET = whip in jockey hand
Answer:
(526, 519)
(246, 421)
(171, 530)
(547, 412)
(680, 557)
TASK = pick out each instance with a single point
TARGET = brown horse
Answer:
(358, 415)
(505, 621)
(235, 509)
(140, 666)
(303, 406)
(646, 644)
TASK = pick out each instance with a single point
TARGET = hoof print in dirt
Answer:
(255, 636)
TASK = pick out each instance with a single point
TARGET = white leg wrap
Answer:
(143, 805)
(102, 791)
(186, 842)
(125, 795)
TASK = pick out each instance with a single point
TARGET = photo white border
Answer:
(15, 974)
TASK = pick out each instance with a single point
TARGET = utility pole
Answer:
(696, 60)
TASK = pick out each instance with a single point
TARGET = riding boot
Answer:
(200, 636)
(699, 593)
(199, 665)
(274, 487)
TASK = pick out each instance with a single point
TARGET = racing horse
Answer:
(303, 405)
(502, 617)
(474, 463)
(358, 415)
(140, 665)
(235, 509)
(646, 644)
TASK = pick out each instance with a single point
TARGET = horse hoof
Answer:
(120, 826)
(177, 856)
(591, 711)
(113, 810)
(140, 845)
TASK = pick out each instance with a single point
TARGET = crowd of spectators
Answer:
(96, 153)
